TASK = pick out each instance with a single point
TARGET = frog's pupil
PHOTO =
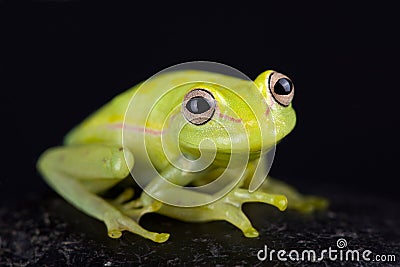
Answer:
(283, 86)
(198, 105)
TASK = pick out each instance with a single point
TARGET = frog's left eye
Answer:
(281, 88)
(198, 106)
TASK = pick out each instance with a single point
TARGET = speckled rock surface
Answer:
(47, 231)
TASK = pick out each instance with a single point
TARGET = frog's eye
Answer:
(198, 106)
(281, 88)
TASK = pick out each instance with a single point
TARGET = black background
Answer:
(61, 60)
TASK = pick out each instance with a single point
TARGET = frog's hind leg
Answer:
(296, 201)
(75, 172)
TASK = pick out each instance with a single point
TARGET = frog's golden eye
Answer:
(281, 88)
(198, 106)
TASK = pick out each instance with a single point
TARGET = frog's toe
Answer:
(234, 215)
(240, 196)
(250, 232)
(142, 201)
(137, 213)
(117, 222)
(134, 208)
(240, 220)
(126, 195)
(161, 238)
(114, 233)
(319, 203)
(309, 204)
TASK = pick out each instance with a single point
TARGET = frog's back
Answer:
(96, 127)
(105, 125)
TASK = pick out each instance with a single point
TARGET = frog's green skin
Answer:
(94, 156)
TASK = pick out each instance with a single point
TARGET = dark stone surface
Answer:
(47, 231)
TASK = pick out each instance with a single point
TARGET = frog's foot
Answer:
(117, 222)
(134, 208)
(127, 216)
(229, 207)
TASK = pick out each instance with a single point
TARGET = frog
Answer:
(230, 112)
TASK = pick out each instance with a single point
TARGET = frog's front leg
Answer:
(169, 188)
(296, 201)
(78, 172)
(228, 208)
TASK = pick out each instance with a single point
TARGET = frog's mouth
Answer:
(223, 155)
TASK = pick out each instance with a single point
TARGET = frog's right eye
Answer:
(281, 88)
(198, 106)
